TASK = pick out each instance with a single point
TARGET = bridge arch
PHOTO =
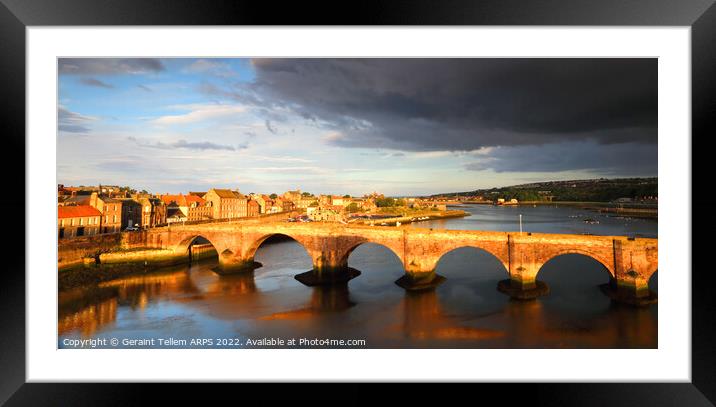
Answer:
(185, 243)
(605, 262)
(348, 251)
(581, 277)
(253, 247)
(504, 267)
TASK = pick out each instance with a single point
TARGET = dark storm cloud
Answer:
(108, 66)
(464, 104)
(611, 159)
(96, 83)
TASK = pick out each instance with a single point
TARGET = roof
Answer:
(182, 200)
(79, 199)
(76, 211)
(227, 193)
(193, 198)
(175, 213)
(107, 199)
(129, 201)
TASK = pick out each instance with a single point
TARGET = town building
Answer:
(253, 208)
(193, 207)
(153, 212)
(111, 210)
(226, 203)
(293, 196)
(305, 201)
(285, 205)
(261, 200)
(323, 214)
(175, 214)
(131, 213)
(77, 220)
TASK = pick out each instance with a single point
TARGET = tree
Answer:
(306, 194)
(352, 207)
(346, 196)
(384, 202)
(273, 196)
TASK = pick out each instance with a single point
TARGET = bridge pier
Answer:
(229, 263)
(417, 281)
(634, 265)
(420, 273)
(523, 283)
(632, 290)
(329, 268)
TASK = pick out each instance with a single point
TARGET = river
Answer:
(192, 302)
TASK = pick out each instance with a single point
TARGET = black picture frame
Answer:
(700, 15)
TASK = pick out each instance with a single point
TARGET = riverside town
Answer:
(380, 203)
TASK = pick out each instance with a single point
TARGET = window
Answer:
(105, 218)
(80, 221)
(72, 222)
(62, 222)
(114, 218)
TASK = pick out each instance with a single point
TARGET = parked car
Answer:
(131, 229)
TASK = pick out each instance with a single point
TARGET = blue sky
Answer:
(400, 127)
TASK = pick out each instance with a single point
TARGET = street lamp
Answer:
(520, 224)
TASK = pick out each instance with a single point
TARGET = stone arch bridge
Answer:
(629, 261)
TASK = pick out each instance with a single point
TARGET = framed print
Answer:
(475, 200)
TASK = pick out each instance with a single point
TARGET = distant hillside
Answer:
(589, 190)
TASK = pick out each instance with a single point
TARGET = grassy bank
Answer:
(409, 216)
(633, 210)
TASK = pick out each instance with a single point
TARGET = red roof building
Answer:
(79, 220)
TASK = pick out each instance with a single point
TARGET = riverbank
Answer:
(633, 210)
(117, 264)
(91, 275)
(414, 217)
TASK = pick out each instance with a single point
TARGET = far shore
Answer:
(632, 210)
(414, 217)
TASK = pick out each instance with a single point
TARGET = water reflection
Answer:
(424, 319)
(465, 312)
(323, 299)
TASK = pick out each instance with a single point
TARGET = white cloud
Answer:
(213, 67)
(200, 113)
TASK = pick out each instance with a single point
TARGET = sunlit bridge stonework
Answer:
(630, 262)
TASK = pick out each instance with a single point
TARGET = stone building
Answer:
(111, 210)
(293, 196)
(261, 201)
(131, 213)
(193, 207)
(175, 214)
(77, 220)
(154, 212)
(323, 214)
(226, 203)
(253, 208)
